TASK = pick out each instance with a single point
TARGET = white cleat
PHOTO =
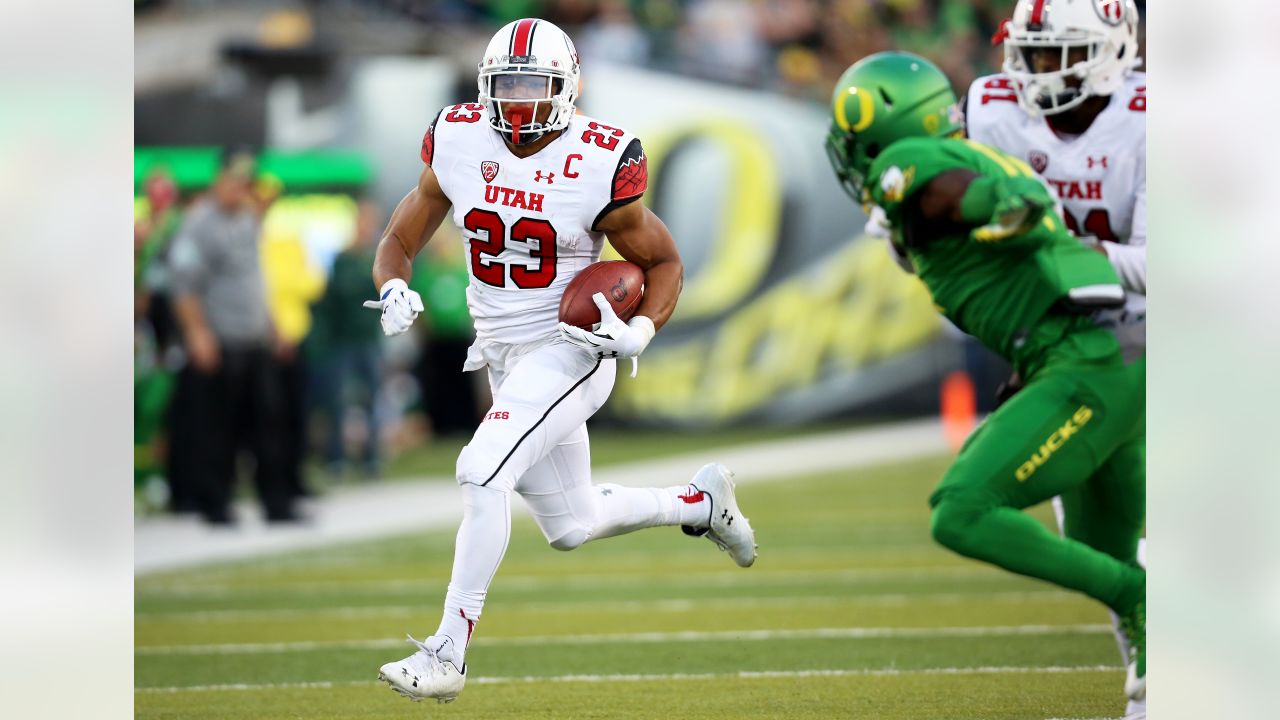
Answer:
(1135, 685)
(730, 530)
(428, 673)
(1136, 710)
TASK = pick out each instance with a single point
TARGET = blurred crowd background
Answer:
(273, 138)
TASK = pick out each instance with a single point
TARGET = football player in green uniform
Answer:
(982, 233)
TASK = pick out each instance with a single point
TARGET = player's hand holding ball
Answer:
(399, 305)
(613, 338)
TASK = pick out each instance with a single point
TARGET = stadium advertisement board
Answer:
(788, 313)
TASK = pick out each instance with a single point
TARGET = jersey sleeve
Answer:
(629, 182)
(429, 140)
(1130, 259)
(902, 169)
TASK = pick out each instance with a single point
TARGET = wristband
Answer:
(644, 326)
(392, 284)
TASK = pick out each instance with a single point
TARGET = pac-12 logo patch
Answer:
(1039, 161)
(489, 169)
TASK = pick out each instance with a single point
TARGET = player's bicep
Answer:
(940, 199)
(420, 212)
(639, 235)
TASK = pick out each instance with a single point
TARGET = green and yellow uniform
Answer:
(1076, 427)
(982, 234)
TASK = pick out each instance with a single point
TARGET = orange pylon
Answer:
(958, 406)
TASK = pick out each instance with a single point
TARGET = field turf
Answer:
(850, 611)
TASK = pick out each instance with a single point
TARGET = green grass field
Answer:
(850, 611)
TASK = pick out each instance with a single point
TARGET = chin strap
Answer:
(517, 119)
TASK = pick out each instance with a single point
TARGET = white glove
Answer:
(612, 338)
(877, 223)
(399, 305)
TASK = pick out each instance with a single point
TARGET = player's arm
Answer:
(411, 225)
(1130, 260)
(996, 210)
(187, 267)
(641, 237)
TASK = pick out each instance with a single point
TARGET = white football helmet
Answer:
(1107, 32)
(529, 65)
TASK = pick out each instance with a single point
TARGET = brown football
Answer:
(620, 281)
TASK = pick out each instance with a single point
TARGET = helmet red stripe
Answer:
(1037, 12)
(523, 33)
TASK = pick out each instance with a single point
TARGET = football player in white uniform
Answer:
(535, 188)
(1070, 102)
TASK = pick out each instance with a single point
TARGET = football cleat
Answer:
(729, 528)
(428, 673)
(1136, 710)
(1134, 625)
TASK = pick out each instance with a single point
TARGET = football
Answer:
(621, 282)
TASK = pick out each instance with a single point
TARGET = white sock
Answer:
(693, 507)
(482, 541)
(626, 509)
(457, 626)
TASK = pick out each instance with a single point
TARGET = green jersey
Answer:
(1011, 293)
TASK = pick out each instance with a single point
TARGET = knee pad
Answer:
(475, 467)
(571, 540)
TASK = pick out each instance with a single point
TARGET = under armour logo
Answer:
(724, 515)
(537, 176)
(1093, 161)
(606, 491)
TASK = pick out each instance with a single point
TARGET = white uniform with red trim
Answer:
(1100, 176)
(530, 225)
(529, 222)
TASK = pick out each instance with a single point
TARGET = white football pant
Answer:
(534, 441)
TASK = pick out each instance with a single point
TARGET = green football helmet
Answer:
(879, 100)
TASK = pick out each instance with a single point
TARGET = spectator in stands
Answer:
(721, 40)
(613, 36)
(152, 234)
(228, 393)
(347, 349)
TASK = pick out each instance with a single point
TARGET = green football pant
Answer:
(1075, 430)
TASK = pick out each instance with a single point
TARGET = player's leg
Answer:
(538, 399)
(571, 511)
(1135, 709)
(1045, 441)
(1107, 513)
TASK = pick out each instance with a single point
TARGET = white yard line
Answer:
(761, 675)
(726, 578)
(380, 510)
(846, 633)
(669, 605)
